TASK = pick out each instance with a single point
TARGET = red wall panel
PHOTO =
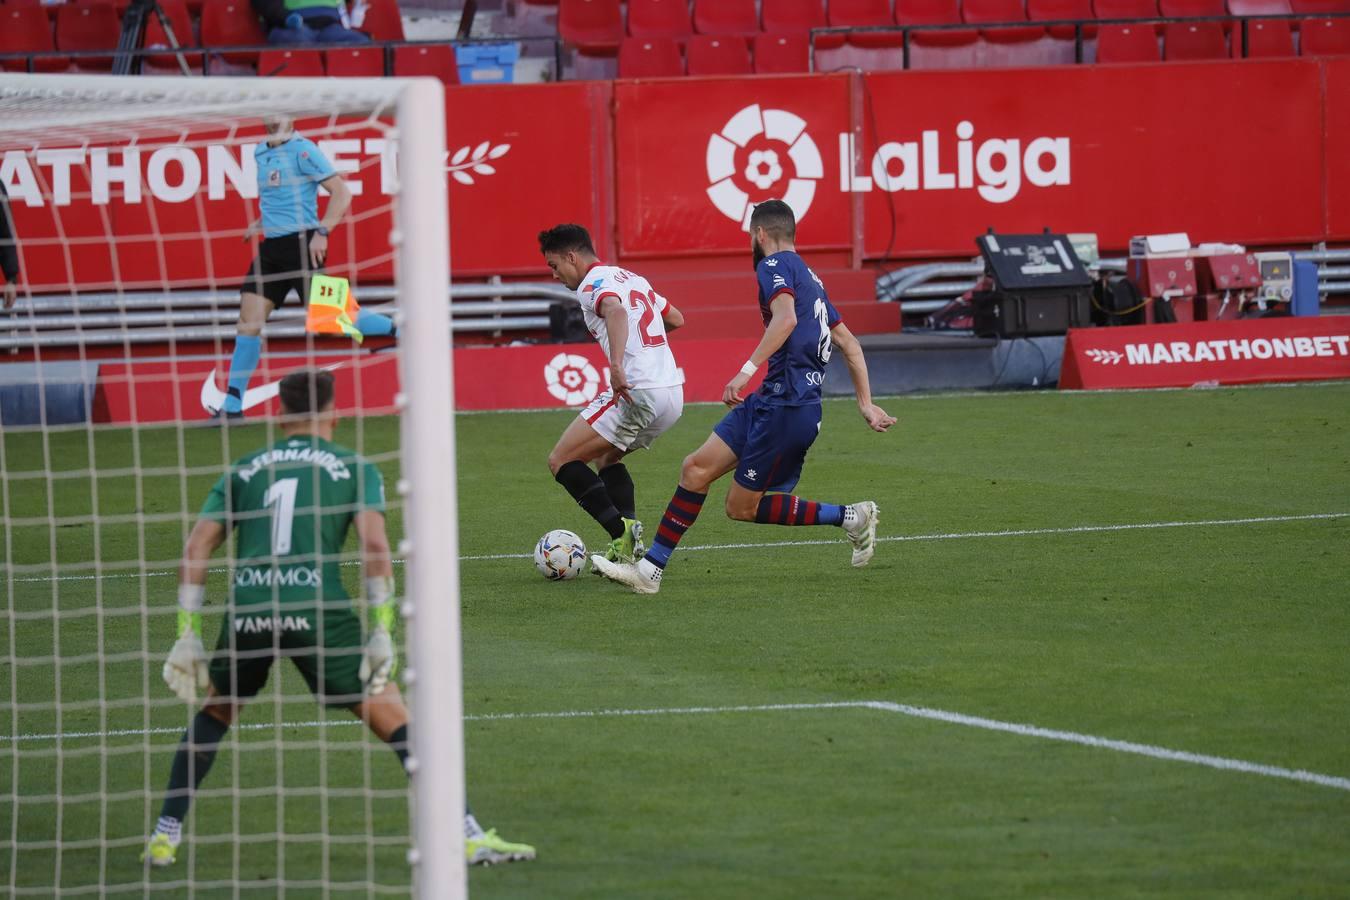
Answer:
(1224, 151)
(692, 153)
(1338, 148)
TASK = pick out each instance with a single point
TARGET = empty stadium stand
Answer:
(712, 54)
(659, 19)
(650, 58)
(739, 17)
(782, 54)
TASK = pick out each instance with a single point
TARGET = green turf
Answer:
(1227, 640)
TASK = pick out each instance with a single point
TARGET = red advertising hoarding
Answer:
(1207, 353)
(534, 377)
(520, 158)
(887, 164)
(1224, 151)
(694, 155)
(1337, 148)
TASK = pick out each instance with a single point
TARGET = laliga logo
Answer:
(571, 379)
(763, 166)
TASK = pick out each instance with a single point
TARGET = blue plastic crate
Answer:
(487, 63)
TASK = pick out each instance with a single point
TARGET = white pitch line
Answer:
(1089, 740)
(963, 535)
(919, 712)
(941, 536)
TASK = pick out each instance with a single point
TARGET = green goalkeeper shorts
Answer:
(325, 646)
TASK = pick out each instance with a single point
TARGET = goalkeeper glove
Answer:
(185, 669)
(379, 660)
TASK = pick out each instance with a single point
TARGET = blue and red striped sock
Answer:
(785, 509)
(681, 512)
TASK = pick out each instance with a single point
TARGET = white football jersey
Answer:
(647, 360)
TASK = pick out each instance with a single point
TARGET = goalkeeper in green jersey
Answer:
(293, 504)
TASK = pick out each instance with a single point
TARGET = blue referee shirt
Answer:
(288, 185)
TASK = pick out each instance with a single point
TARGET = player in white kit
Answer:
(646, 388)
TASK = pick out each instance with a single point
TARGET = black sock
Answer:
(619, 485)
(589, 491)
(196, 752)
(398, 742)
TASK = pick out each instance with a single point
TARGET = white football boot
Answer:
(642, 577)
(860, 524)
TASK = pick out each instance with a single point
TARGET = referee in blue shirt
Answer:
(291, 169)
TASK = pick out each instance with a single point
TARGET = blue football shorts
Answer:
(770, 442)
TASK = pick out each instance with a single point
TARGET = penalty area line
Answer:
(967, 535)
(761, 545)
(948, 717)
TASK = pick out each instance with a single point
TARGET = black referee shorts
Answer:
(282, 263)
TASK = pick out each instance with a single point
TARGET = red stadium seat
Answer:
(1125, 9)
(717, 54)
(792, 15)
(659, 19)
(383, 21)
(1320, 7)
(290, 64)
(232, 23)
(88, 26)
(726, 17)
(1127, 44)
(782, 54)
(1184, 9)
(1325, 37)
(1062, 11)
(934, 12)
(650, 58)
(979, 12)
(1266, 38)
(1259, 8)
(25, 29)
(431, 61)
(180, 20)
(592, 26)
(1195, 9)
(864, 14)
(354, 62)
(1194, 40)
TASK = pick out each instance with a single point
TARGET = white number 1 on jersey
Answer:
(281, 498)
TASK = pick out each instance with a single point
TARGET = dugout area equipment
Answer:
(1040, 286)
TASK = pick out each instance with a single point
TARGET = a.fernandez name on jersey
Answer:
(796, 370)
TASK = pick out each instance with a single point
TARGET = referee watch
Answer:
(321, 230)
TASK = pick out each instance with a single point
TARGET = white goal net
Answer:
(132, 501)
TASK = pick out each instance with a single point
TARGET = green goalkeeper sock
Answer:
(196, 752)
(398, 742)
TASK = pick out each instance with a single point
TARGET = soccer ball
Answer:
(559, 555)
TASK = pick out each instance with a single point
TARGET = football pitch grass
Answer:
(774, 723)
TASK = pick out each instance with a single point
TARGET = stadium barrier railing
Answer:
(200, 57)
(191, 316)
(1078, 25)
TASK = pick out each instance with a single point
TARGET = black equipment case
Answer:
(1040, 286)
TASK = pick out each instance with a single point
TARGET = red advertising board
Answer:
(1225, 150)
(1338, 148)
(695, 154)
(887, 164)
(1207, 353)
(486, 378)
(178, 210)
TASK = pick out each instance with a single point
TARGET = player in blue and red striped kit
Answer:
(765, 436)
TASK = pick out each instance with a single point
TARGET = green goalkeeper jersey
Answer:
(293, 504)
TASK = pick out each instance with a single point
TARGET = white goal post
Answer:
(43, 113)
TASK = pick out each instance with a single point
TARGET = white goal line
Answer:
(940, 536)
(919, 712)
